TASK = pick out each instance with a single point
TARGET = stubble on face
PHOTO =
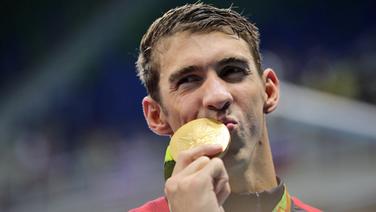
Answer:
(243, 143)
(247, 139)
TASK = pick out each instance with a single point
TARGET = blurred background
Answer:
(72, 133)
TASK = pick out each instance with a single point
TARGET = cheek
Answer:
(181, 112)
(251, 106)
(249, 98)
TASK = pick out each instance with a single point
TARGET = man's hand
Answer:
(198, 183)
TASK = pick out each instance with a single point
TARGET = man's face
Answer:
(213, 75)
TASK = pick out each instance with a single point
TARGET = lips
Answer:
(230, 126)
(229, 123)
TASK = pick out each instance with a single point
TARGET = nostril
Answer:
(222, 107)
(226, 106)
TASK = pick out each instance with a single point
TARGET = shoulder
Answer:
(158, 205)
(299, 205)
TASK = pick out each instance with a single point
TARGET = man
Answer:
(200, 61)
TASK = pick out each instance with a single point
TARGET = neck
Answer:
(258, 175)
(257, 187)
(263, 201)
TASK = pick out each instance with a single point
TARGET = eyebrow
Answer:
(185, 70)
(235, 60)
(182, 72)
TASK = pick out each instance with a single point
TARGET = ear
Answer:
(271, 90)
(155, 117)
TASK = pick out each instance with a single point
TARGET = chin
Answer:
(234, 166)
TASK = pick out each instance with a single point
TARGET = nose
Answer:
(216, 95)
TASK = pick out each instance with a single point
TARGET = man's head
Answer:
(203, 62)
(193, 18)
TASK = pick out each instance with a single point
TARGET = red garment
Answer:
(161, 205)
(301, 205)
(157, 205)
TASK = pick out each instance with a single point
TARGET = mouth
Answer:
(229, 123)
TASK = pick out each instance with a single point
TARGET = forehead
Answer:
(199, 49)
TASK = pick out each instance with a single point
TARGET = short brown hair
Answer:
(197, 17)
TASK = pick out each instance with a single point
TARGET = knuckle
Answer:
(170, 186)
(183, 156)
(204, 159)
(217, 161)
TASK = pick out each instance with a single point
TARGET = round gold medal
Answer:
(198, 132)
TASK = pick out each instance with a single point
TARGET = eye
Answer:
(233, 73)
(188, 80)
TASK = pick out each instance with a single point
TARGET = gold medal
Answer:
(192, 134)
(198, 132)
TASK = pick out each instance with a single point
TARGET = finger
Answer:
(222, 186)
(195, 166)
(216, 169)
(223, 193)
(188, 156)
